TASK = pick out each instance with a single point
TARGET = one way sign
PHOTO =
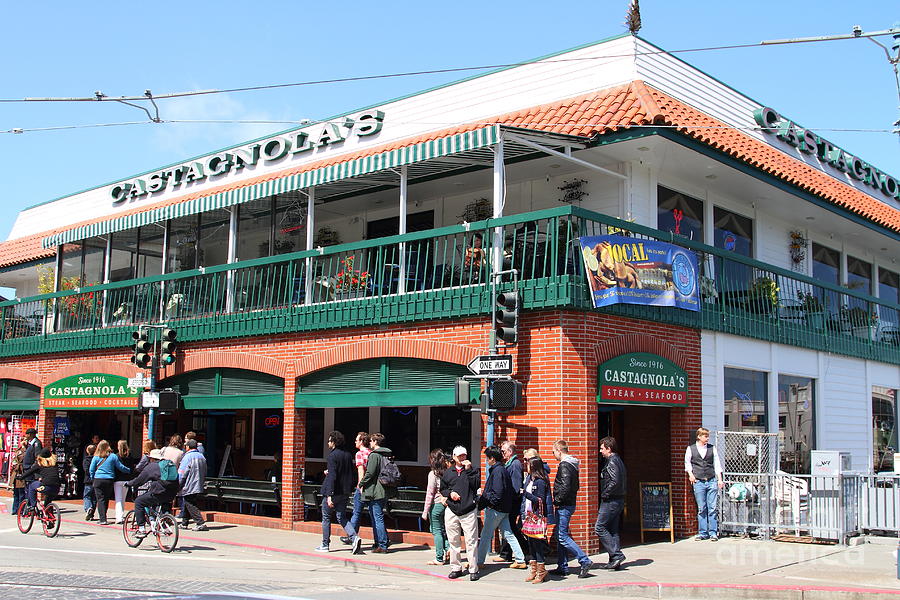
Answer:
(492, 365)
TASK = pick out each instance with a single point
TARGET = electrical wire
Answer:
(99, 97)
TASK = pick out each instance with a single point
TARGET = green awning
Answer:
(18, 405)
(415, 153)
(443, 397)
(221, 402)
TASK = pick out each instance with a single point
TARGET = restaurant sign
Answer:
(91, 391)
(642, 378)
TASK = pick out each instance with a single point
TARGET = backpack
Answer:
(167, 470)
(390, 473)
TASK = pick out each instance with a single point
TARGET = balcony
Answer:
(444, 273)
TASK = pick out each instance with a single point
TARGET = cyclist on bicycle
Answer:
(48, 479)
(160, 492)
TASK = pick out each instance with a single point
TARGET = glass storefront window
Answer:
(212, 247)
(290, 224)
(123, 255)
(400, 426)
(884, 425)
(183, 234)
(351, 421)
(746, 400)
(268, 432)
(679, 214)
(450, 427)
(150, 252)
(94, 261)
(796, 422)
(71, 262)
(315, 432)
(733, 232)
(827, 267)
(254, 230)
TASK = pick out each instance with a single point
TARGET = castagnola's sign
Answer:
(91, 390)
(642, 378)
(270, 150)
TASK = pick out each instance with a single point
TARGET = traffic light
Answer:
(505, 394)
(141, 356)
(506, 318)
(167, 347)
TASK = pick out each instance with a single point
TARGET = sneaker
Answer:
(323, 548)
(558, 571)
(357, 545)
(700, 538)
(714, 538)
(474, 576)
(141, 534)
(201, 527)
(585, 571)
(90, 514)
(102, 523)
(455, 574)
(346, 540)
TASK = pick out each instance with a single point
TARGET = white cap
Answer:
(460, 450)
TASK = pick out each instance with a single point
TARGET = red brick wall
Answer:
(556, 358)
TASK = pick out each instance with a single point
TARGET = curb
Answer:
(644, 589)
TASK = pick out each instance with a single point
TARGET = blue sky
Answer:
(60, 49)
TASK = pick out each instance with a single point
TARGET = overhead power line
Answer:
(99, 96)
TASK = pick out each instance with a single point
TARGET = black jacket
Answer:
(498, 491)
(612, 478)
(31, 453)
(540, 497)
(86, 468)
(164, 491)
(341, 479)
(465, 483)
(47, 475)
(565, 484)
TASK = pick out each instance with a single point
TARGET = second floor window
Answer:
(679, 214)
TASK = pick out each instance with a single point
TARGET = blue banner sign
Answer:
(629, 270)
(61, 426)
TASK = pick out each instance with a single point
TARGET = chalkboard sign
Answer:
(656, 508)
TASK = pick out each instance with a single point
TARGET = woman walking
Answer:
(119, 489)
(536, 498)
(19, 485)
(103, 470)
(175, 450)
(433, 513)
(90, 502)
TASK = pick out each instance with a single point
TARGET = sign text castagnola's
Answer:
(809, 143)
(642, 378)
(293, 144)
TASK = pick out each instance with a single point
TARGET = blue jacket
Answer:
(540, 492)
(108, 469)
(498, 491)
(192, 473)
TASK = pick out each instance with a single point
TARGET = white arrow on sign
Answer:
(492, 365)
(138, 382)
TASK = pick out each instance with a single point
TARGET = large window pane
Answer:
(183, 244)
(827, 268)
(400, 427)
(888, 286)
(679, 214)
(796, 422)
(71, 264)
(268, 432)
(351, 421)
(884, 424)
(150, 251)
(450, 426)
(290, 223)
(255, 230)
(746, 399)
(123, 255)
(733, 232)
(315, 432)
(94, 261)
(214, 233)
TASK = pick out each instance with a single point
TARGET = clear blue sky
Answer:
(61, 49)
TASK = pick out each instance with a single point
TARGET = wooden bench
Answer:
(244, 491)
(407, 503)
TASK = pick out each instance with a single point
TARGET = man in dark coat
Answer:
(33, 448)
(159, 493)
(565, 492)
(612, 502)
(458, 486)
(513, 466)
(339, 484)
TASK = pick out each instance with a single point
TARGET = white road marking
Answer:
(8, 530)
(181, 556)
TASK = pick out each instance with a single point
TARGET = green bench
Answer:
(244, 491)
(403, 503)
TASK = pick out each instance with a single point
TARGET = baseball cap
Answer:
(460, 450)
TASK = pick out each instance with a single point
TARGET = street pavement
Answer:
(87, 561)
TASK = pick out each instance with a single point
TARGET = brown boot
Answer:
(532, 570)
(540, 574)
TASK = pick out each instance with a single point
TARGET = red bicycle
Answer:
(48, 514)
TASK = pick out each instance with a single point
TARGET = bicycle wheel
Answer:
(166, 532)
(51, 520)
(25, 517)
(129, 530)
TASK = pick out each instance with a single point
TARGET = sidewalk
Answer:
(731, 567)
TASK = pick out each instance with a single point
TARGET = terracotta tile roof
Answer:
(589, 115)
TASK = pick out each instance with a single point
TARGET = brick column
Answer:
(292, 454)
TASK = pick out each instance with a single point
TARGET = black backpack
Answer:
(390, 473)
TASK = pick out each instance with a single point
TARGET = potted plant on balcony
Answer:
(863, 322)
(350, 282)
(763, 295)
(813, 311)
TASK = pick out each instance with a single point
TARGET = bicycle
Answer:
(48, 514)
(161, 524)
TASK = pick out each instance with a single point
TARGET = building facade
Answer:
(343, 274)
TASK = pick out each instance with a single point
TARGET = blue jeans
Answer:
(609, 519)
(566, 545)
(358, 506)
(492, 521)
(376, 512)
(341, 519)
(88, 496)
(18, 498)
(706, 493)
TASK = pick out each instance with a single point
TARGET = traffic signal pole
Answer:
(164, 348)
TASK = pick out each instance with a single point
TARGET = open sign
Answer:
(273, 421)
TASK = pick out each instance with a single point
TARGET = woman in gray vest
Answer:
(701, 463)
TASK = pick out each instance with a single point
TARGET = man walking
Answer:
(612, 502)
(565, 491)
(458, 486)
(497, 501)
(373, 491)
(701, 463)
(513, 466)
(192, 477)
(33, 447)
(340, 480)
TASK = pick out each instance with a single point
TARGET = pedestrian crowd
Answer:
(517, 500)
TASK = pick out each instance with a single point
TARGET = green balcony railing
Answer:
(444, 273)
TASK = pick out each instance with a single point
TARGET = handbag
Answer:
(534, 524)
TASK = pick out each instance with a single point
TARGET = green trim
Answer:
(375, 398)
(233, 402)
(13, 405)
